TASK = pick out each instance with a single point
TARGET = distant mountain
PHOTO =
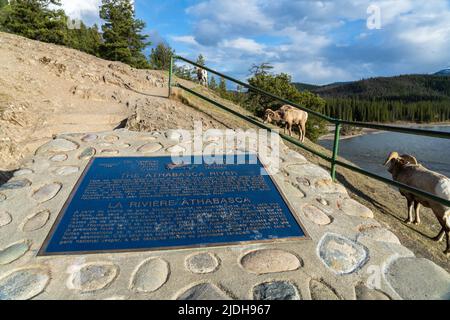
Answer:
(305, 86)
(444, 72)
(406, 88)
(414, 98)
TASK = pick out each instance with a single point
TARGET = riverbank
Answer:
(364, 131)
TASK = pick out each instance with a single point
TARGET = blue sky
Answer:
(314, 41)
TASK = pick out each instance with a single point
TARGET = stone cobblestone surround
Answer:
(350, 256)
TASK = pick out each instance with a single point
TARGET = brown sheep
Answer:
(291, 116)
(407, 171)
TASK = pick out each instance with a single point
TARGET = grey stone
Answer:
(87, 153)
(275, 290)
(204, 291)
(379, 234)
(297, 157)
(13, 252)
(111, 138)
(309, 170)
(123, 145)
(150, 147)
(23, 284)
(109, 152)
(418, 279)
(321, 291)
(340, 254)
(57, 145)
(202, 263)
(316, 215)
(66, 171)
(270, 261)
(173, 135)
(36, 221)
(2, 197)
(93, 276)
(47, 192)
(16, 184)
(176, 149)
(23, 172)
(150, 275)
(353, 208)
(89, 138)
(5, 218)
(362, 292)
(322, 201)
(59, 157)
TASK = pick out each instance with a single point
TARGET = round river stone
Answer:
(47, 192)
(36, 221)
(5, 218)
(202, 263)
(340, 254)
(23, 284)
(13, 252)
(418, 279)
(150, 275)
(93, 277)
(276, 290)
(204, 291)
(269, 261)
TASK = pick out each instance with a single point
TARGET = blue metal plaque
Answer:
(149, 203)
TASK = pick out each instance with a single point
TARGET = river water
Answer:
(371, 150)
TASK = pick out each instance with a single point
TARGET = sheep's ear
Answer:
(410, 159)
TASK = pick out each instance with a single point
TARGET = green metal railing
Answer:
(337, 122)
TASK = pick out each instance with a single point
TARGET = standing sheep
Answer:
(202, 76)
(406, 170)
(291, 116)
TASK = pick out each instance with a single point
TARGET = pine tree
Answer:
(122, 34)
(213, 83)
(201, 60)
(160, 57)
(33, 19)
(222, 90)
(85, 39)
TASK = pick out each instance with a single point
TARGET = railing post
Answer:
(335, 150)
(170, 75)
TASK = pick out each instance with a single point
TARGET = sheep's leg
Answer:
(447, 251)
(410, 212)
(300, 133)
(440, 236)
(303, 124)
(417, 209)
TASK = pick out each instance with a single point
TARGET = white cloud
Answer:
(323, 41)
(185, 39)
(85, 10)
(244, 45)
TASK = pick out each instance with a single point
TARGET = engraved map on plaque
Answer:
(148, 203)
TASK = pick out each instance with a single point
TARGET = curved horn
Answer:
(409, 159)
(393, 155)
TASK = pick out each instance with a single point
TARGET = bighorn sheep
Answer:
(202, 76)
(291, 116)
(406, 170)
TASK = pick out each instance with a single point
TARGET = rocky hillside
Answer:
(46, 90)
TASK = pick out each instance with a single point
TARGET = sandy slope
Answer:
(47, 90)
